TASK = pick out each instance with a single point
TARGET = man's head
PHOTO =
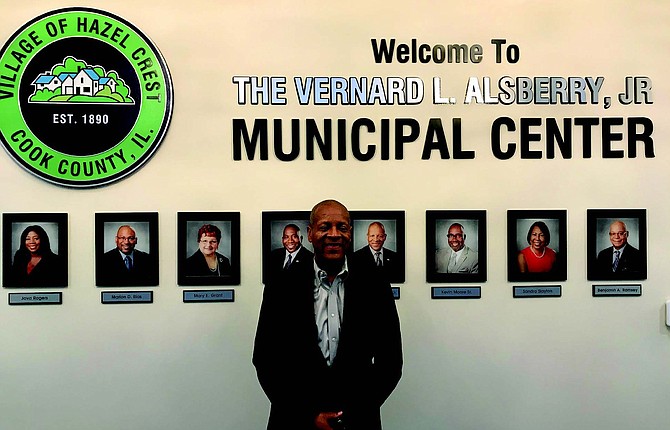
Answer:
(376, 236)
(125, 239)
(456, 237)
(618, 234)
(291, 238)
(329, 231)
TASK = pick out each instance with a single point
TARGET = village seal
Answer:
(86, 98)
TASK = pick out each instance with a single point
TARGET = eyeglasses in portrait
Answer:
(126, 249)
(616, 244)
(208, 248)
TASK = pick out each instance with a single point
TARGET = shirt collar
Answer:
(292, 254)
(322, 277)
(381, 251)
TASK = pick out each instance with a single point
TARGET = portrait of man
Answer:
(456, 246)
(284, 242)
(376, 255)
(621, 259)
(127, 259)
(208, 248)
(458, 257)
(292, 254)
(327, 365)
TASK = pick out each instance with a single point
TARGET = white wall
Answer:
(574, 362)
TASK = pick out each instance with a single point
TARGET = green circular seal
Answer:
(85, 97)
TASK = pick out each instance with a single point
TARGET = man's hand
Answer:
(322, 421)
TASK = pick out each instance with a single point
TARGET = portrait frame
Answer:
(437, 227)
(518, 226)
(272, 228)
(55, 226)
(145, 225)
(188, 224)
(598, 223)
(394, 228)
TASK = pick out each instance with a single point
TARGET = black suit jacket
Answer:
(196, 265)
(275, 263)
(112, 270)
(51, 271)
(630, 263)
(392, 267)
(291, 368)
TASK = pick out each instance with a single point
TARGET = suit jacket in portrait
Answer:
(196, 265)
(469, 261)
(630, 263)
(275, 263)
(51, 271)
(391, 267)
(112, 270)
(290, 365)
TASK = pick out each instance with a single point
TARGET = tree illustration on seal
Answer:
(74, 81)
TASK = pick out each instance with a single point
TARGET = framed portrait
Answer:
(378, 240)
(537, 245)
(126, 249)
(616, 244)
(35, 250)
(208, 248)
(285, 245)
(456, 246)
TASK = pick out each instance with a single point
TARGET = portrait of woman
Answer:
(206, 261)
(537, 257)
(537, 245)
(34, 263)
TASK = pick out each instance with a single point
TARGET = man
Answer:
(375, 255)
(621, 259)
(458, 258)
(291, 256)
(125, 265)
(328, 350)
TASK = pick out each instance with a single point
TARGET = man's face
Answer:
(208, 244)
(125, 240)
(376, 237)
(456, 238)
(618, 234)
(331, 233)
(291, 239)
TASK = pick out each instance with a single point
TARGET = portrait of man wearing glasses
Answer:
(458, 257)
(124, 265)
(620, 259)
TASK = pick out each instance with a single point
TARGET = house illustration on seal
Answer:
(74, 81)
